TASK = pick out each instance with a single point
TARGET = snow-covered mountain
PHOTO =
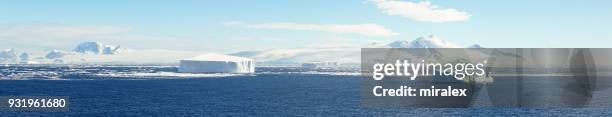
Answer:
(95, 52)
(400, 44)
(55, 54)
(431, 41)
(475, 46)
(340, 54)
(24, 57)
(111, 50)
(8, 56)
(97, 48)
(136, 56)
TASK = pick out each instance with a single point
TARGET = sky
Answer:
(237, 25)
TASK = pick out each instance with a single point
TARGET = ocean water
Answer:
(259, 95)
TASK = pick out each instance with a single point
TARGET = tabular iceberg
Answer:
(217, 63)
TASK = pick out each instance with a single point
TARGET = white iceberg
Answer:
(217, 63)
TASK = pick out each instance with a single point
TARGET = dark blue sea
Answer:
(260, 95)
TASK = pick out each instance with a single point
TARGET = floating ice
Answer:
(217, 63)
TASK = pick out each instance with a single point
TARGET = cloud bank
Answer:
(57, 31)
(421, 11)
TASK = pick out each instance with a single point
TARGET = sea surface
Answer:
(253, 95)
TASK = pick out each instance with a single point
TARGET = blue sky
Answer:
(230, 26)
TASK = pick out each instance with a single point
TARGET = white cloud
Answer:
(421, 11)
(367, 29)
(55, 31)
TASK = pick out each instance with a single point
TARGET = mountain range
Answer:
(97, 48)
(431, 41)
(339, 54)
(95, 52)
